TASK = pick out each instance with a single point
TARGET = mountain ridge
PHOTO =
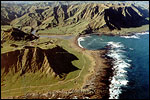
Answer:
(32, 59)
(15, 34)
(93, 17)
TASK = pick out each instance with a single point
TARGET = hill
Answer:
(87, 18)
(8, 33)
(34, 59)
(81, 18)
(56, 3)
(10, 12)
(43, 66)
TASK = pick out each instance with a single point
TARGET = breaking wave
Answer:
(79, 40)
(119, 78)
(82, 39)
(136, 36)
(133, 36)
(143, 33)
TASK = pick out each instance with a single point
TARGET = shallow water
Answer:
(130, 78)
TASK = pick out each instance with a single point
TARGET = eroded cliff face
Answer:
(55, 62)
(123, 17)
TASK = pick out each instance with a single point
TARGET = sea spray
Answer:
(119, 78)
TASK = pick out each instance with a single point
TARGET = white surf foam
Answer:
(131, 48)
(132, 36)
(136, 35)
(119, 77)
(115, 45)
(142, 33)
(79, 40)
(82, 39)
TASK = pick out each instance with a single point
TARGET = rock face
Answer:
(91, 17)
(55, 62)
(123, 17)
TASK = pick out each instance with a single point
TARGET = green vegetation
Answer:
(27, 29)
(5, 27)
(48, 82)
(6, 46)
(19, 20)
(75, 28)
(126, 31)
(132, 30)
(76, 19)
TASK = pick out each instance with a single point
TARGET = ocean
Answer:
(130, 78)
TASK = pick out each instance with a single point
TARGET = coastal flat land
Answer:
(90, 61)
(40, 54)
(73, 79)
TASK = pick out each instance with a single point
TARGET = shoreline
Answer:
(108, 60)
(112, 34)
(102, 72)
(100, 76)
(99, 87)
(95, 84)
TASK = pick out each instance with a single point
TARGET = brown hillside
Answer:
(16, 35)
(10, 12)
(55, 62)
(92, 17)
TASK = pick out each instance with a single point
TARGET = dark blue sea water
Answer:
(130, 78)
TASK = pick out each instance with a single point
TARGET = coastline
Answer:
(109, 60)
(112, 34)
(96, 82)
(99, 78)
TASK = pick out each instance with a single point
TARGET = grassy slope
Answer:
(78, 29)
(35, 79)
(68, 29)
(125, 31)
(25, 81)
